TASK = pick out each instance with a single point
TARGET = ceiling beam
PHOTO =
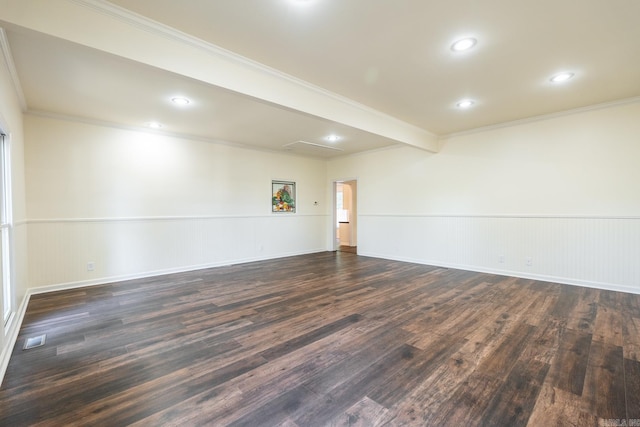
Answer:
(109, 28)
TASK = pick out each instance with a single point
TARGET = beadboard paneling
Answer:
(59, 250)
(590, 251)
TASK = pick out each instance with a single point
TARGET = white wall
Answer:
(564, 192)
(138, 203)
(11, 122)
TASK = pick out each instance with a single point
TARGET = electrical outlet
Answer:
(91, 266)
(501, 259)
(528, 261)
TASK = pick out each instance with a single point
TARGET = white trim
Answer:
(15, 323)
(8, 257)
(11, 67)
(165, 31)
(11, 334)
(503, 216)
(155, 273)
(375, 150)
(509, 273)
(162, 218)
(186, 136)
(334, 215)
(542, 117)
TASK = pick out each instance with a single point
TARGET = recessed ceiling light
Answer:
(332, 138)
(154, 125)
(465, 103)
(463, 44)
(180, 100)
(561, 77)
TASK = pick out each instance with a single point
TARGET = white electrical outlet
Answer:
(501, 259)
(91, 266)
(528, 261)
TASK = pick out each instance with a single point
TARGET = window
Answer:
(5, 230)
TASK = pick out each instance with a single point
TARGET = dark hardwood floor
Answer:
(351, 249)
(328, 339)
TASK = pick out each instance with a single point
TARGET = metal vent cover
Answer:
(34, 342)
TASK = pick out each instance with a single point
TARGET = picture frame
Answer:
(283, 196)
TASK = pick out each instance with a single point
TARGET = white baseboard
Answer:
(142, 275)
(16, 323)
(12, 335)
(511, 273)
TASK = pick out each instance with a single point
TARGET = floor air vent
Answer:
(34, 342)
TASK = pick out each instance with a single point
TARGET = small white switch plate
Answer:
(91, 266)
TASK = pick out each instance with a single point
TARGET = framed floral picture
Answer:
(283, 196)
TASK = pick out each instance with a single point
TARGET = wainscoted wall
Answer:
(601, 252)
(563, 191)
(60, 250)
(11, 123)
(138, 203)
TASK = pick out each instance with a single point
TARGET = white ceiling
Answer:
(64, 79)
(389, 56)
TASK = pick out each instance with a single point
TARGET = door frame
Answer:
(334, 209)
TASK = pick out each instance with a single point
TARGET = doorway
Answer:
(346, 216)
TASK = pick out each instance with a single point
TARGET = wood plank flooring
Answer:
(345, 248)
(329, 339)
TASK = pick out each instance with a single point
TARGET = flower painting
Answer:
(283, 196)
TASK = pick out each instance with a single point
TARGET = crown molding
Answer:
(184, 136)
(11, 67)
(543, 117)
(148, 25)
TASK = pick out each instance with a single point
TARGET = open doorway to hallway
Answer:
(346, 216)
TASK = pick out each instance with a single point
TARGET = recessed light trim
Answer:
(333, 138)
(561, 77)
(465, 103)
(180, 100)
(464, 44)
(154, 125)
